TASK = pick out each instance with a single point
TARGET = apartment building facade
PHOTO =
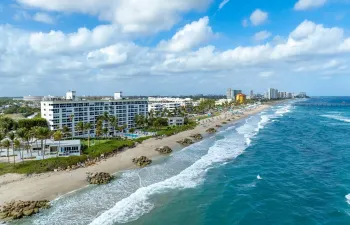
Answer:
(70, 111)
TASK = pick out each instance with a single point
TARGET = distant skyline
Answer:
(183, 47)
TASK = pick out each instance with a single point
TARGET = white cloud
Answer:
(43, 18)
(308, 4)
(258, 17)
(266, 74)
(133, 16)
(262, 35)
(245, 23)
(223, 3)
(59, 42)
(42, 59)
(190, 36)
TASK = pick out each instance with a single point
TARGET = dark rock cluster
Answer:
(99, 178)
(17, 209)
(142, 161)
(164, 150)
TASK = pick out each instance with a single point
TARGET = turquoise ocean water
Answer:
(286, 165)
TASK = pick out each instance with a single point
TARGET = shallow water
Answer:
(287, 165)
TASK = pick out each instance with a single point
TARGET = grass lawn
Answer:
(14, 116)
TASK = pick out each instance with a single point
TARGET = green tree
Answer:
(114, 122)
(66, 132)
(42, 134)
(7, 144)
(57, 136)
(16, 145)
(21, 134)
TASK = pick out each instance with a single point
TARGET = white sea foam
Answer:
(140, 203)
(347, 198)
(338, 117)
(259, 177)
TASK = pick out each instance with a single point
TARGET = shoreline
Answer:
(54, 185)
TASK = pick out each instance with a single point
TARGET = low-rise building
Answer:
(60, 148)
(176, 121)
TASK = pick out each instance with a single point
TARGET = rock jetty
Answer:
(185, 141)
(142, 161)
(218, 126)
(224, 122)
(164, 150)
(98, 178)
(211, 130)
(197, 137)
(17, 209)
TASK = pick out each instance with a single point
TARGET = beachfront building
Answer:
(57, 148)
(158, 104)
(240, 98)
(70, 110)
(272, 94)
(176, 121)
(229, 93)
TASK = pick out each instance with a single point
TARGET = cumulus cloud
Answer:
(190, 36)
(133, 16)
(258, 17)
(43, 59)
(59, 42)
(262, 35)
(308, 4)
(43, 18)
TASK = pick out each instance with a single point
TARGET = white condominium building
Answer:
(272, 93)
(60, 112)
(159, 103)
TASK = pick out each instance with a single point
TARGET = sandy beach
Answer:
(55, 184)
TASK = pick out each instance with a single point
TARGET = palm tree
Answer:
(21, 134)
(105, 131)
(16, 145)
(6, 144)
(81, 127)
(2, 136)
(113, 120)
(66, 132)
(57, 136)
(87, 127)
(12, 136)
(42, 133)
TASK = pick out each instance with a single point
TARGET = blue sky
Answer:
(150, 47)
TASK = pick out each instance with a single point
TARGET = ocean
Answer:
(286, 165)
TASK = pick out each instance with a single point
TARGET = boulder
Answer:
(211, 130)
(224, 122)
(218, 126)
(28, 212)
(17, 209)
(98, 178)
(185, 141)
(142, 161)
(197, 137)
(164, 150)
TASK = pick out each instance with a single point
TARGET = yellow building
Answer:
(240, 98)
